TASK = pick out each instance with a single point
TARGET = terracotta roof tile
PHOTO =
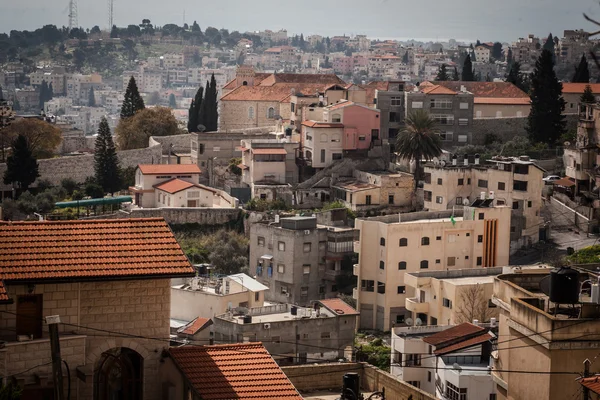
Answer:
(233, 371)
(174, 185)
(453, 334)
(307, 79)
(195, 326)
(338, 306)
(580, 87)
(464, 344)
(118, 248)
(486, 89)
(437, 89)
(276, 93)
(317, 124)
(159, 169)
(258, 77)
(341, 104)
(592, 383)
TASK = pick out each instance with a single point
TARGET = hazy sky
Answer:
(503, 20)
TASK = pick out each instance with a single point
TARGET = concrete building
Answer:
(450, 362)
(148, 176)
(452, 110)
(206, 296)
(526, 50)
(536, 336)
(299, 258)
(572, 95)
(482, 53)
(394, 245)
(67, 274)
(507, 181)
(292, 334)
(452, 297)
(389, 99)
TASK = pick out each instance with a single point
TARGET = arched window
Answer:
(424, 241)
(403, 242)
(424, 264)
(119, 375)
(382, 241)
(336, 118)
(245, 83)
(402, 265)
(251, 112)
(271, 113)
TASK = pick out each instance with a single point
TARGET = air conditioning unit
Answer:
(307, 232)
(266, 326)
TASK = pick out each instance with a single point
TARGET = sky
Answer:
(487, 20)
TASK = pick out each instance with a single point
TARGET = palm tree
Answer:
(419, 140)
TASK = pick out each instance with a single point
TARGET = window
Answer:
(201, 149)
(441, 103)
(481, 216)
(501, 186)
(382, 241)
(522, 169)
(322, 155)
(396, 101)
(251, 112)
(281, 246)
(284, 290)
(323, 138)
(280, 268)
(439, 199)
(381, 265)
(463, 138)
(390, 199)
(461, 181)
(403, 242)
(367, 285)
(464, 106)
(438, 238)
(513, 229)
(443, 119)
(479, 238)
(375, 133)
(479, 261)
(261, 241)
(447, 303)
(459, 201)
(438, 261)
(380, 287)
(402, 265)
(306, 269)
(446, 136)
(257, 296)
(427, 195)
(428, 376)
(520, 186)
(417, 104)
(424, 241)
(336, 156)
(413, 360)
(325, 335)
(304, 292)
(493, 395)
(307, 247)
(455, 393)
(427, 177)
(29, 315)
(439, 181)
(482, 183)
(120, 370)
(292, 107)
(451, 261)
(515, 205)
(416, 384)
(424, 264)
(401, 289)
(271, 113)
(395, 117)
(368, 199)
(362, 138)
(336, 118)
(335, 138)
(463, 121)
(400, 319)
(529, 204)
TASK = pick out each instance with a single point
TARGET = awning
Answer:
(565, 182)
(269, 151)
(267, 257)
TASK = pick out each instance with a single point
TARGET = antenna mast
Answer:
(73, 23)
(110, 14)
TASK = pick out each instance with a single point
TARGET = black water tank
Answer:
(351, 382)
(564, 286)
(247, 319)
(294, 310)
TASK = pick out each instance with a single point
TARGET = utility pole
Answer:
(586, 373)
(53, 321)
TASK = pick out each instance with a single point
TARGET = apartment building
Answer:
(450, 362)
(452, 110)
(527, 50)
(536, 334)
(277, 57)
(452, 297)
(572, 46)
(299, 258)
(293, 334)
(389, 99)
(394, 245)
(507, 181)
(482, 53)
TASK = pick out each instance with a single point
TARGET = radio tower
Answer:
(110, 14)
(73, 23)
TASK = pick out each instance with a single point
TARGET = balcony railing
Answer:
(413, 304)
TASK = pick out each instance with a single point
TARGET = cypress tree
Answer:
(455, 76)
(106, 162)
(214, 110)
(192, 117)
(546, 123)
(582, 71)
(588, 95)
(1, 94)
(21, 166)
(204, 109)
(442, 74)
(92, 98)
(467, 71)
(132, 102)
(172, 101)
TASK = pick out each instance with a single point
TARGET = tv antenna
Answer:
(73, 22)
(110, 14)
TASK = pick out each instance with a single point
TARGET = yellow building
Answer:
(394, 245)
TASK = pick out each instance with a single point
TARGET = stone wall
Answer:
(507, 128)
(72, 143)
(80, 167)
(186, 215)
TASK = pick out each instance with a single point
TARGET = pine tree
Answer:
(172, 101)
(132, 102)
(106, 162)
(213, 104)
(546, 123)
(582, 71)
(92, 98)
(21, 166)
(455, 76)
(203, 109)
(588, 95)
(442, 74)
(467, 71)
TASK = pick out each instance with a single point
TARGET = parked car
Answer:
(551, 178)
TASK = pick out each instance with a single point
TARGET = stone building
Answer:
(97, 276)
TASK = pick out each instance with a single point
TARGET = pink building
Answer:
(343, 65)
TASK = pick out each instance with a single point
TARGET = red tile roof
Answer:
(258, 77)
(269, 151)
(592, 383)
(453, 334)
(174, 185)
(437, 89)
(324, 80)
(486, 89)
(338, 306)
(474, 341)
(87, 250)
(159, 169)
(275, 93)
(233, 371)
(341, 104)
(195, 326)
(578, 88)
(316, 124)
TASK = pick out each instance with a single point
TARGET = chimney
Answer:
(476, 159)
(454, 160)
(493, 322)
(475, 322)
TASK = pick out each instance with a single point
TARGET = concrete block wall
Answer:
(181, 143)
(202, 216)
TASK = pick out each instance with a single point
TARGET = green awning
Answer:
(94, 202)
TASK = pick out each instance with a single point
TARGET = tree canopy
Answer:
(106, 162)
(582, 71)
(21, 166)
(517, 78)
(468, 74)
(135, 132)
(442, 74)
(132, 101)
(43, 138)
(588, 95)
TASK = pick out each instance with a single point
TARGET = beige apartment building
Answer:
(507, 181)
(394, 245)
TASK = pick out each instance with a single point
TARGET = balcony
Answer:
(355, 270)
(357, 246)
(355, 294)
(414, 305)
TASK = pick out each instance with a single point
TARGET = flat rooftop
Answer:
(471, 280)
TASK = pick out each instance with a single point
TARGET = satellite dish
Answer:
(201, 128)
(408, 321)
(466, 201)
(443, 163)
(418, 322)
(567, 144)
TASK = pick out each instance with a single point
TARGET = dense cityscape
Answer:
(202, 213)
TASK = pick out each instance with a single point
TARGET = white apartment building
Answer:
(482, 54)
(57, 105)
(393, 245)
(450, 362)
(514, 182)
